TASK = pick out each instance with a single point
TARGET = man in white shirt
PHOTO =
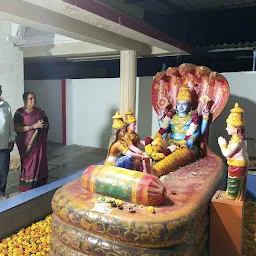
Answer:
(7, 137)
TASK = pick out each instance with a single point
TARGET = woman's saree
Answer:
(32, 149)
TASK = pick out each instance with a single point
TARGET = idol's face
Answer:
(122, 132)
(133, 126)
(183, 107)
(231, 130)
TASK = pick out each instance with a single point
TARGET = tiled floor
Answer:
(62, 161)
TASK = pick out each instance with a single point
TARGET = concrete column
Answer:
(11, 68)
(128, 74)
(11, 76)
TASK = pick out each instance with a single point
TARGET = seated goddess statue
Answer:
(119, 153)
(131, 138)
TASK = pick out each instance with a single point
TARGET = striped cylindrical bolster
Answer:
(131, 186)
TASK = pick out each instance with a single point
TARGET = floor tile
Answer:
(62, 162)
(61, 172)
(13, 177)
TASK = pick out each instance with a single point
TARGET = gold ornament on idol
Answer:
(118, 122)
(129, 117)
(184, 94)
(179, 122)
(236, 116)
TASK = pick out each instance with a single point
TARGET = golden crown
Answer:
(129, 117)
(184, 94)
(236, 116)
(118, 122)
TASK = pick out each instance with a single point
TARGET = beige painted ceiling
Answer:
(55, 28)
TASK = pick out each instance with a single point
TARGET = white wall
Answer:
(144, 106)
(243, 91)
(49, 98)
(91, 103)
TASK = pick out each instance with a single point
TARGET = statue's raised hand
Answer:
(221, 141)
(206, 112)
(160, 114)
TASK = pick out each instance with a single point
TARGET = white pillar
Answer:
(11, 68)
(128, 74)
(11, 76)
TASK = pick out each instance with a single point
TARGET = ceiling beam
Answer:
(37, 17)
(71, 49)
(102, 16)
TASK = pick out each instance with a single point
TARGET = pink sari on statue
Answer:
(32, 149)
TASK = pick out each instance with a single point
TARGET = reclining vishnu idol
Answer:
(151, 201)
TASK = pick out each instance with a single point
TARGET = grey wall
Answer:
(91, 103)
(144, 106)
(243, 91)
(48, 93)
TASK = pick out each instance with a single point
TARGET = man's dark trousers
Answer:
(4, 168)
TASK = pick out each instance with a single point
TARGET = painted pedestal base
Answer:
(226, 225)
(178, 228)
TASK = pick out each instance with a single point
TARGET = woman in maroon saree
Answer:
(31, 126)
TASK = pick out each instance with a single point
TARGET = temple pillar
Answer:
(11, 66)
(128, 74)
(11, 72)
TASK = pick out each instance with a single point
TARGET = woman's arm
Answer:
(19, 128)
(24, 128)
(18, 121)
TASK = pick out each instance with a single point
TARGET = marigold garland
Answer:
(31, 241)
(35, 239)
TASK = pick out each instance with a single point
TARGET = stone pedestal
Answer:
(82, 226)
(128, 73)
(226, 225)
